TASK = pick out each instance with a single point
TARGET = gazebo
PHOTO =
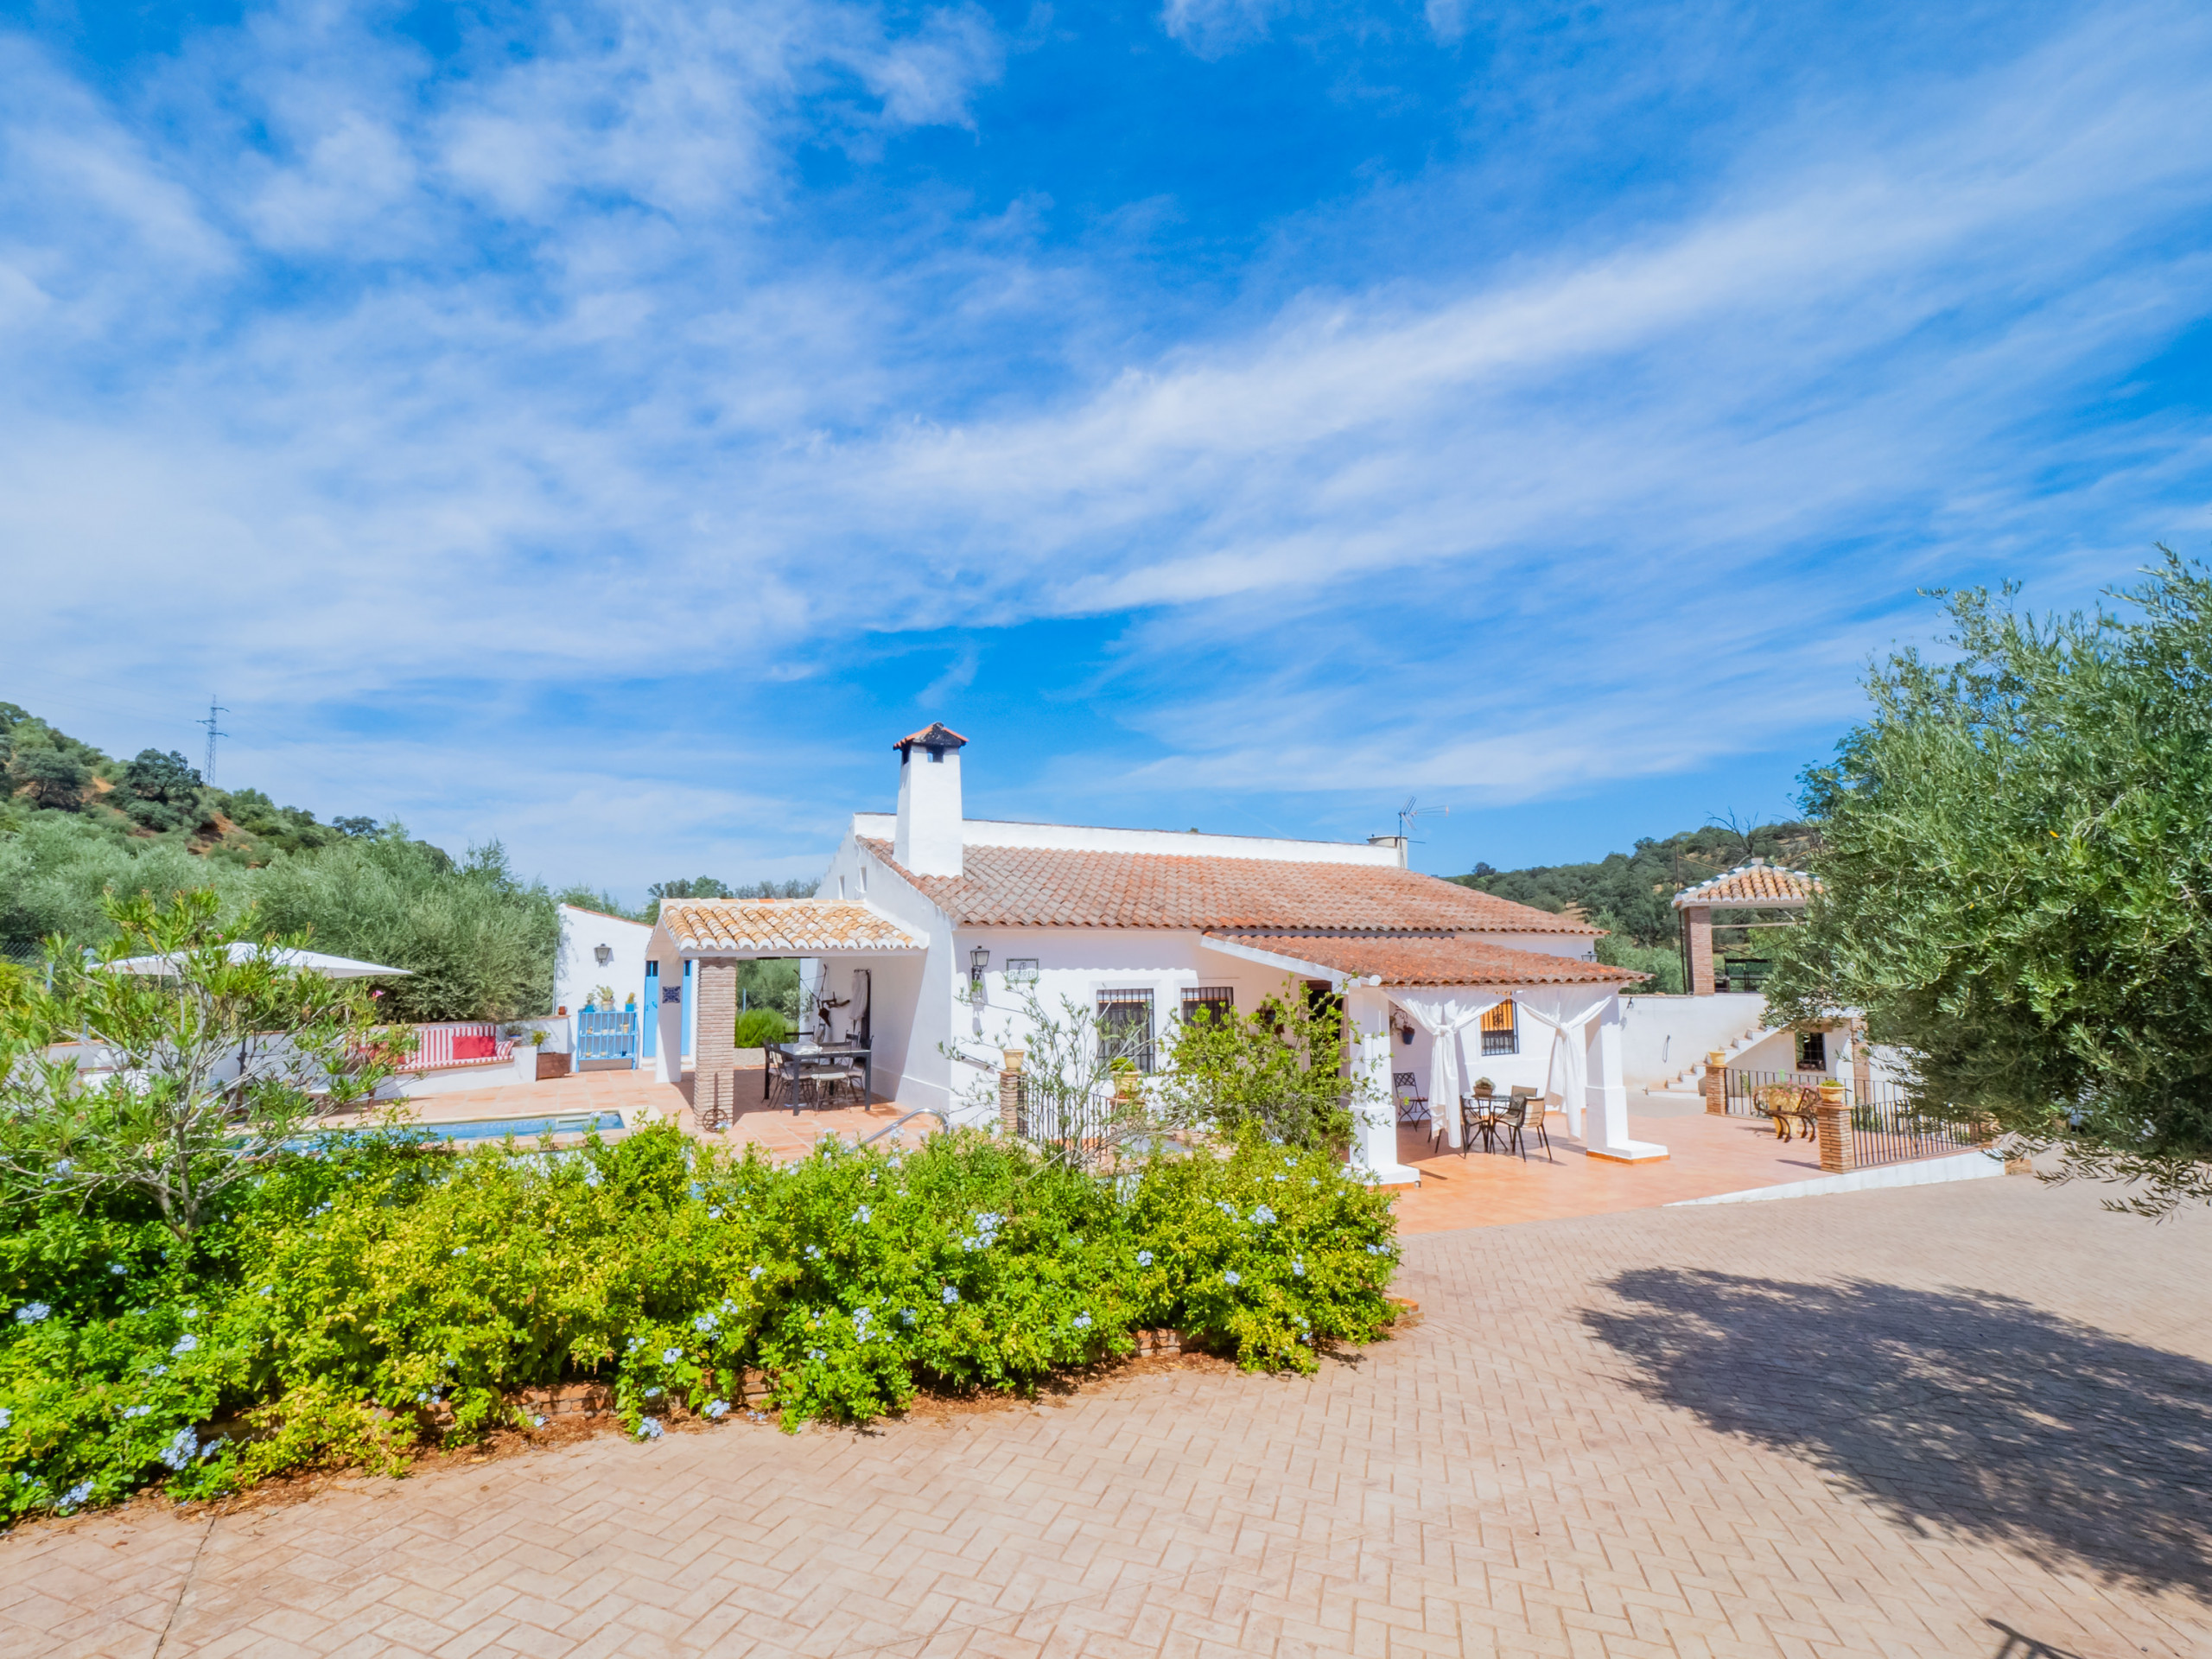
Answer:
(1758, 887)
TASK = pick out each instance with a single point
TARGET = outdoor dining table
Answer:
(802, 1055)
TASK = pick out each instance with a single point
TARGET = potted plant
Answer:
(1484, 1088)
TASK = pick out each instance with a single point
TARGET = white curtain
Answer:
(1566, 1013)
(1447, 1016)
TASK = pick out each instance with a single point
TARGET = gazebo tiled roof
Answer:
(1761, 886)
(780, 926)
(1054, 886)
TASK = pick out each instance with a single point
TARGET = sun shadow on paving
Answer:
(1957, 1410)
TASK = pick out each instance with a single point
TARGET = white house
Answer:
(931, 928)
(597, 950)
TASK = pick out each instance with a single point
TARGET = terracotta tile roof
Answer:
(1751, 884)
(1429, 959)
(935, 735)
(1052, 887)
(791, 926)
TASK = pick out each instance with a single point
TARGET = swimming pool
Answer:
(523, 1128)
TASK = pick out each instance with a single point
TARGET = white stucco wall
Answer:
(577, 969)
(1660, 1035)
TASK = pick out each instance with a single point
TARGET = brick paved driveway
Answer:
(1894, 1423)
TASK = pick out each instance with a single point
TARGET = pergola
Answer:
(1756, 887)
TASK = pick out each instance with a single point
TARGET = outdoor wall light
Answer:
(978, 959)
(603, 953)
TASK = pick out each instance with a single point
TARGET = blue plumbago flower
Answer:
(185, 1345)
(74, 1495)
(591, 1175)
(269, 1290)
(814, 1353)
(32, 1313)
(705, 1322)
(1230, 1278)
(653, 1393)
(727, 1306)
(118, 1269)
(1144, 1258)
(460, 1249)
(1263, 1215)
(756, 1273)
(905, 1316)
(1226, 1208)
(181, 1449)
(814, 1252)
(670, 1356)
(951, 1295)
(129, 1412)
(214, 1446)
(717, 1409)
(322, 1209)
(636, 1343)
(191, 1313)
(861, 1215)
(63, 1167)
(1083, 1321)
(537, 1421)
(1298, 1268)
(649, 1429)
(6, 1416)
(713, 1214)
(160, 1371)
(697, 1190)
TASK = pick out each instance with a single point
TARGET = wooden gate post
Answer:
(1835, 1114)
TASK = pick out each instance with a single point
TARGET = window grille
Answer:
(1502, 1030)
(1812, 1050)
(1218, 1001)
(1125, 1028)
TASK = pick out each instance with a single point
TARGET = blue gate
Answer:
(606, 1034)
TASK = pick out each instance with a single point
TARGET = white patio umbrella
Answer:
(241, 951)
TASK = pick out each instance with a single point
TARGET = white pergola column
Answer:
(1375, 1129)
(668, 1047)
(1605, 1097)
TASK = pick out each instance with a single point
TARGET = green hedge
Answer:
(756, 1027)
(350, 1302)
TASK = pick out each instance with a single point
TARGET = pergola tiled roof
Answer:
(1761, 886)
(780, 926)
(1426, 959)
(1052, 887)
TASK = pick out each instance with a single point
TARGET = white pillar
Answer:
(1375, 1130)
(1607, 1096)
(668, 1045)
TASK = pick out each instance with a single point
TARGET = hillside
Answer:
(1630, 893)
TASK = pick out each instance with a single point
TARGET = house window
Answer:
(1125, 1028)
(1502, 1030)
(1812, 1050)
(1218, 1002)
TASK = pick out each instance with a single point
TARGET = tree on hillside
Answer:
(2016, 877)
(51, 777)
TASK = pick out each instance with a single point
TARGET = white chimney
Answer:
(928, 838)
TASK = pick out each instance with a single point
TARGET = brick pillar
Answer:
(1010, 1093)
(1715, 1087)
(1697, 927)
(713, 1033)
(1835, 1131)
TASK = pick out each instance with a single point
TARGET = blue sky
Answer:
(607, 427)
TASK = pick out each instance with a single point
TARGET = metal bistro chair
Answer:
(1413, 1105)
(1525, 1112)
(1478, 1116)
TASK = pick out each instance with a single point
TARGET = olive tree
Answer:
(2017, 864)
(207, 1072)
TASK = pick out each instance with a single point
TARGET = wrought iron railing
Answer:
(1886, 1127)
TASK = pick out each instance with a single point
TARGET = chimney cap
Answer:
(935, 736)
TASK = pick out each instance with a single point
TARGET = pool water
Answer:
(523, 1128)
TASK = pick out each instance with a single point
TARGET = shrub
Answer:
(348, 1307)
(757, 1027)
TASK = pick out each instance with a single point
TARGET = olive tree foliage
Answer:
(208, 1070)
(1279, 1068)
(2015, 881)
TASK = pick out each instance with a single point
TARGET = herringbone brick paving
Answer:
(1870, 1424)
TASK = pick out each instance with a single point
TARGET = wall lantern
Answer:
(603, 953)
(978, 959)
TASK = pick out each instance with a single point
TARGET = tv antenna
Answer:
(215, 710)
(1409, 811)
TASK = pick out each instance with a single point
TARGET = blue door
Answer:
(652, 1033)
(608, 1034)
